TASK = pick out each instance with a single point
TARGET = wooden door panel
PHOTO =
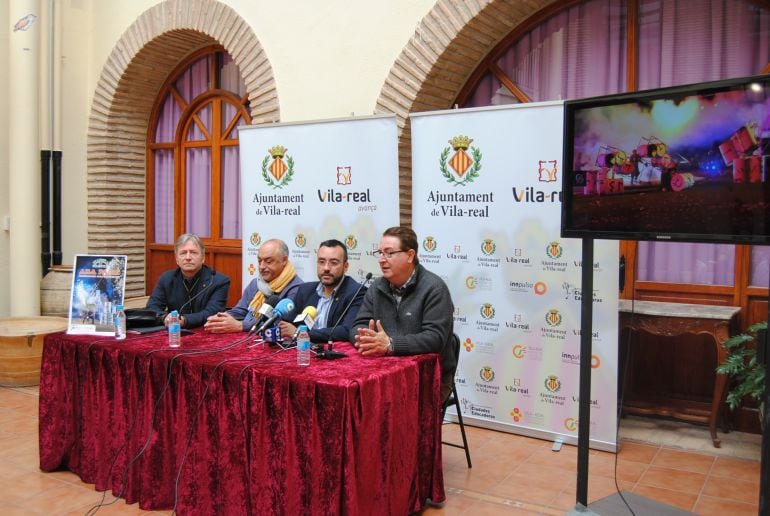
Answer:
(227, 261)
(159, 260)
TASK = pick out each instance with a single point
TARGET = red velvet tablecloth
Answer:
(246, 431)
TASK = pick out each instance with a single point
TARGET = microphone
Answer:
(328, 353)
(203, 289)
(282, 308)
(307, 317)
(265, 312)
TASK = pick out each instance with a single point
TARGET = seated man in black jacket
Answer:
(330, 295)
(193, 289)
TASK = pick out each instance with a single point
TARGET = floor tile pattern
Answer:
(511, 474)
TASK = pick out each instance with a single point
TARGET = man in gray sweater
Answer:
(407, 311)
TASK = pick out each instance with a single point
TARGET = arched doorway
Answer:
(126, 90)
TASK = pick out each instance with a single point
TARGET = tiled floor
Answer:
(520, 475)
(511, 474)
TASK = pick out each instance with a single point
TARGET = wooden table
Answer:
(674, 319)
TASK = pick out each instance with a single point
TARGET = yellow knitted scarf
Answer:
(277, 286)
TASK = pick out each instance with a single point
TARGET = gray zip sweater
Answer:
(422, 323)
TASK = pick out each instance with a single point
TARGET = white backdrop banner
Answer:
(487, 208)
(308, 182)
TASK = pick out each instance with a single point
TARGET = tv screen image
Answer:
(689, 163)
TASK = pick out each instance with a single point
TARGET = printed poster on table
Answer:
(312, 181)
(487, 210)
(98, 285)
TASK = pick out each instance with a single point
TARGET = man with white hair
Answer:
(277, 277)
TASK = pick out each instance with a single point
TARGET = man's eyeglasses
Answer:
(331, 263)
(387, 254)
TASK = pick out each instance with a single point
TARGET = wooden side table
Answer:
(671, 320)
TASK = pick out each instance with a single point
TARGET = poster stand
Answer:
(98, 285)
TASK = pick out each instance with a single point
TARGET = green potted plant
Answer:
(747, 373)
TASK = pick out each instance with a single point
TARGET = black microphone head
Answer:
(368, 276)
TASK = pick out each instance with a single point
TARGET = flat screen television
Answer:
(687, 163)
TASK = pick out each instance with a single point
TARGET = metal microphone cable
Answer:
(198, 409)
(328, 353)
(156, 405)
(203, 289)
(243, 409)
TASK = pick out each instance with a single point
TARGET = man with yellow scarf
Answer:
(277, 277)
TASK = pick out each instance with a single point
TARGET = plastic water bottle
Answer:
(174, 329)
(120, 323)
(303, 346)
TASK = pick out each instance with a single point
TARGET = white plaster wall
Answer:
(77, 72)
(330, 59)
(5, 24)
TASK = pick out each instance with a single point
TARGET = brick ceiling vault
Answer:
(125, 91)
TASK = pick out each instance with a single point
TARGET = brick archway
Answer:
(117, 127)
(449, 43)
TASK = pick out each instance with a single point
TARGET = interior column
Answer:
(24, 158)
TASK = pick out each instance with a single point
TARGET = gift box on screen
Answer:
(728, 152)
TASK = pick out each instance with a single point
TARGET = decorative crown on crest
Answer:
(277, 151)
(461, 142)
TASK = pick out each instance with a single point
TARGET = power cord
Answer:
(622, 395)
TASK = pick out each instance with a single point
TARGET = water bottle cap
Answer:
(120, 307)
(303, 328)
(174, 313)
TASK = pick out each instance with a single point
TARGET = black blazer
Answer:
(207, 297)
(307, 296)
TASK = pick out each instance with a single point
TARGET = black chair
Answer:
(453, 399)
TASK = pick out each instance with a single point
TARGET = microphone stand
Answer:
(329, 353)
(203, 289)
(270, 301)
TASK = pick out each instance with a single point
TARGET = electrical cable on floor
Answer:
(622, 394)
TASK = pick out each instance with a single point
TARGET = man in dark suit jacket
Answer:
(193, 289)
(330, 295)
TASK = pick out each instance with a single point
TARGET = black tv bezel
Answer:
(702, 89)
